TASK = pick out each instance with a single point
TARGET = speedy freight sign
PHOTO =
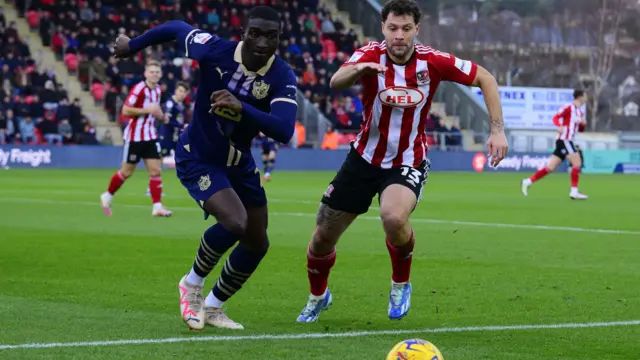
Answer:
(109, 157)
(529, 107)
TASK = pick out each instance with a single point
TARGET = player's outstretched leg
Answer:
(552, 163)
(114, 184)
(321, 256)
(215, 242)
(396, 204)
(240, 265)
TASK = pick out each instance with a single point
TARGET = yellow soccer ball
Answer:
(415, 349)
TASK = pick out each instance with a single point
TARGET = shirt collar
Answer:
(237, 57)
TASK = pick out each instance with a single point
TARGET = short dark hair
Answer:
(182, 84)
(263, 12)
(402, 7)
(578, 93)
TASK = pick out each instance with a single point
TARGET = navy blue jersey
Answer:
(169, 132)
(268, 95)
(213, 153)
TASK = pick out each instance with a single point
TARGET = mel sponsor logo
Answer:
(31, 157)
(401, 96)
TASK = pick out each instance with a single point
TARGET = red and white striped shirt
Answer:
(141, 128)
(396, 103)
(570, 118)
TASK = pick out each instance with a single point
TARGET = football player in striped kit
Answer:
(570, 120)
(389, 156)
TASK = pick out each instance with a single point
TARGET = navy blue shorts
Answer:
(269, 147)
(166, 146)
(202, 180)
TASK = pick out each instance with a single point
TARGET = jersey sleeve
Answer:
(197, 43)
(194, 42)
(135, 97)
(562, 115)
(362, 55)
(454, 69)
(287, 89)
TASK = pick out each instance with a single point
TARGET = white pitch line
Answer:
(305, 336)
(299, 214)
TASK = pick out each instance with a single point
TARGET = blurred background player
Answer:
(244, 88)
(169, 130)
(389, 156)
(570, 119)
(141, 108)
(173, 124)
(269, 150)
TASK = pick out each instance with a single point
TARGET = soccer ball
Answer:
(415, 349)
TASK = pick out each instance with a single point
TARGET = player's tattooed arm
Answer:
(489, 86)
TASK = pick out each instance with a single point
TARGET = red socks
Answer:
(116, 182)
(539, 174)
(318, 268)
(401, 257)
(575, 176)
(155, 188)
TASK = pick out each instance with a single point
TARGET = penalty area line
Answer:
(305, 336)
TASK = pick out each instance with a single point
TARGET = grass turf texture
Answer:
(71, 274)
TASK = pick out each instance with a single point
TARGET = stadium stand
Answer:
(540, 44)
(79, 33)
(35, 107)
(518, 48)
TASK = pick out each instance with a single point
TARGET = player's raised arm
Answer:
(188, 38)
(362, 62)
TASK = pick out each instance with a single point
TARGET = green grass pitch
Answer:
(70, 274)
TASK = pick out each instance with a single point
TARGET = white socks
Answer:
(195, 279)
(212, 301)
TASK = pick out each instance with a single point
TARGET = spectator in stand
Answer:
(107, 138)
(66, 131)
(300, 134)
(3, 129)
(330, 140)
(27, 131)
(88, 134)
(13, 128)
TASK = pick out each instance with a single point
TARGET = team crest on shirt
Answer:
(327, 193)
(423, 77)
(204, 182)
(260, 89)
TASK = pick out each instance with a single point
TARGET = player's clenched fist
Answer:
(224, 99)
(370, 68)
(121, 47)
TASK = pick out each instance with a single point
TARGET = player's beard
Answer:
(400, 54)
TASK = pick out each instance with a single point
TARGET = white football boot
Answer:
(217, 318)
(191, 304)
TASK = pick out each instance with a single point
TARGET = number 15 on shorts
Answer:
(412, 176)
